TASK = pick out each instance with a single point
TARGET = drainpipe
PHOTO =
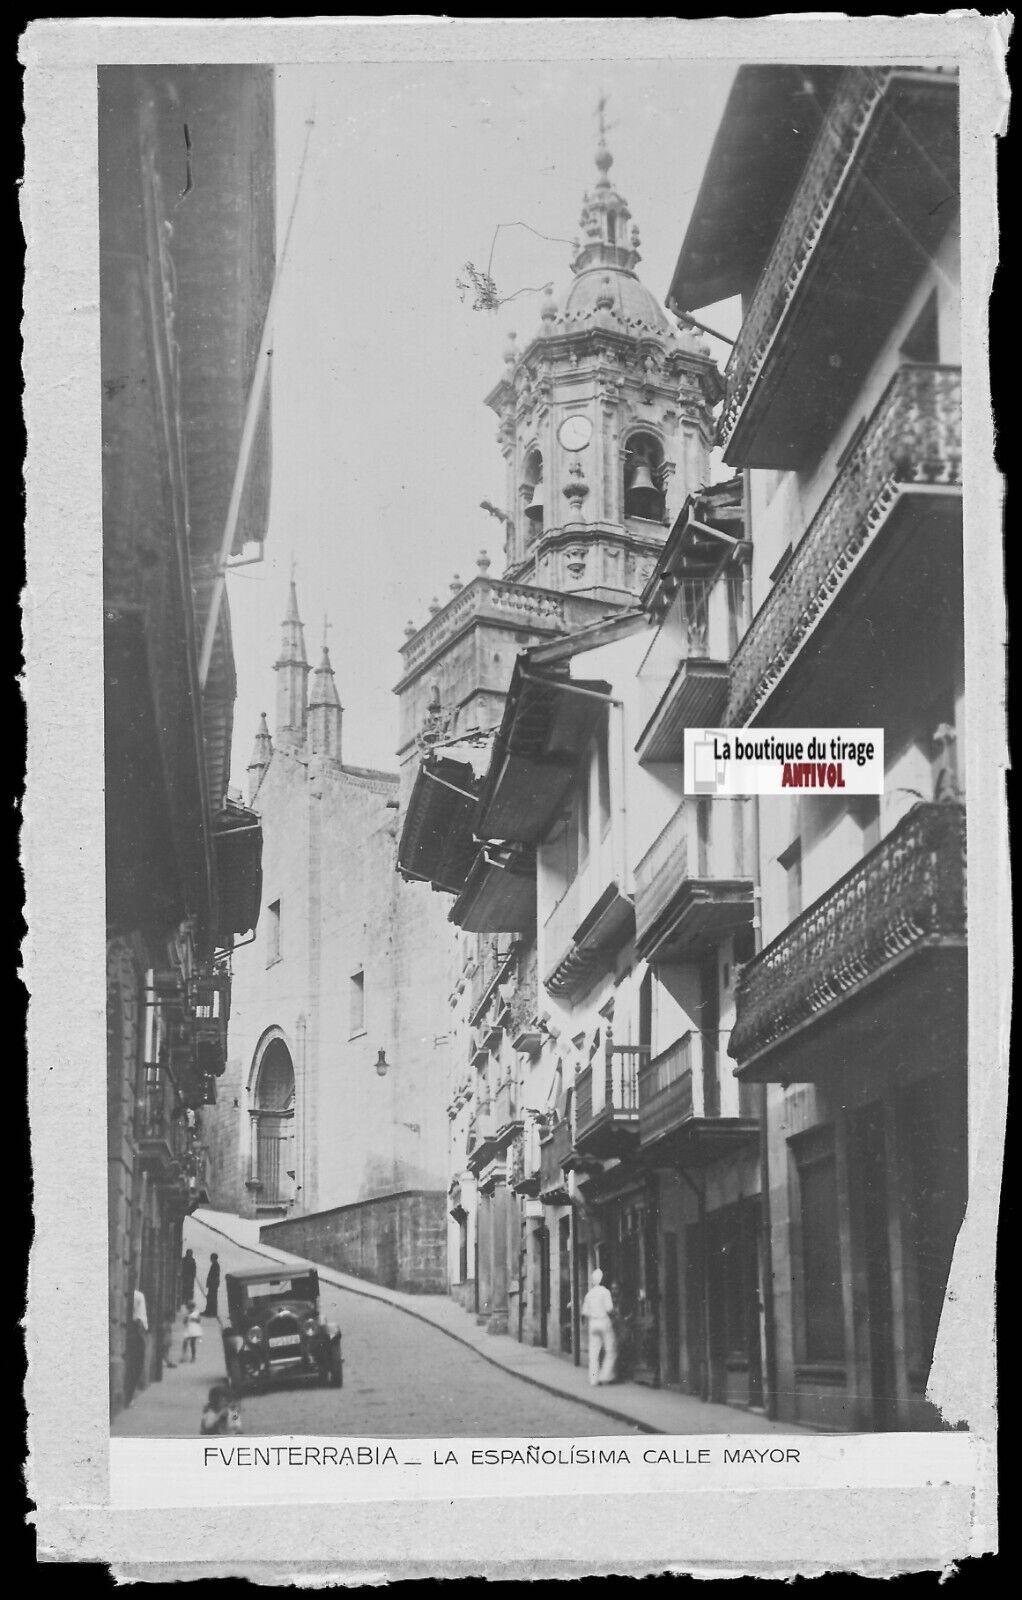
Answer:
(766, 1248)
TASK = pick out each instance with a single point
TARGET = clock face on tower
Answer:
(575, 433)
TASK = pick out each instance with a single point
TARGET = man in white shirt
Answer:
(596, 1312)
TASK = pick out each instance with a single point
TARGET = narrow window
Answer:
(823, 1305)
(273, 933)
(357, 1003)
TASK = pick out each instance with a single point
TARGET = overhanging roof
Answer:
(598, 936)
(437, 843)
(768, 129)
(546, 726)
(499, 895)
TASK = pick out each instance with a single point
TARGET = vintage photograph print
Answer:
(539, 704)
(475, 1013)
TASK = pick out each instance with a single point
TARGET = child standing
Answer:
(192, 1333)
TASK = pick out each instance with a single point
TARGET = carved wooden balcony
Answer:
(875, 199)
(900, 486)
(607, 1104)
(874, 972)
(703, 627)
(679, 1105)
(694, 884)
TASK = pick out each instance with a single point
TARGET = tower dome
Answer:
(605, 416)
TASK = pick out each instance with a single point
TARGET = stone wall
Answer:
(398, 1240)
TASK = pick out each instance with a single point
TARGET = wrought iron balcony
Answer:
(816, 997)
(607, 1103)
(693, 885)
(874, 199)
(910, 450)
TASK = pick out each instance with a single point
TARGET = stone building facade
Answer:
(184, 283)
(331, 1123)
(718, 1046)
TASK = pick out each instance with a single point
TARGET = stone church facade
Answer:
(330, 1122)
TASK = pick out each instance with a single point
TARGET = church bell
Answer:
(644, 498)
(534, 509)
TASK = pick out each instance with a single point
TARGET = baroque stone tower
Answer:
(605, 417)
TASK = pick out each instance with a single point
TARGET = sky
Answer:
(382, 445)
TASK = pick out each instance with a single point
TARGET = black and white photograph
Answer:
(532, 634)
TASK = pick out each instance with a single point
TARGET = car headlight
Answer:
(310, 1327)
(254, 1335)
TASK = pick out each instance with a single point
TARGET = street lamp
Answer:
(382, 1064)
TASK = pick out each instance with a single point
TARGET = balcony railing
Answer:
(665, 863)
(161, 1137)
(912, 442)
(913, 146)
(856, 98)
(906, 895)
(607, 1103)
(493, 955)
(671, 1088)
(693, 880)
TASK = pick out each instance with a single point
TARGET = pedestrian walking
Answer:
(138, 1344)
(220, 1414)
(597, 1309)
(189, 1269)
(212, 1286)
(192, 1333)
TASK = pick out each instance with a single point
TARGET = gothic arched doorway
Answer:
(273, 1122)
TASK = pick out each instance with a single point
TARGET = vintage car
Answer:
(275, 1330)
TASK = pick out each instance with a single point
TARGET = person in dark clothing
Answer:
(212, 1286)
(189, 1268)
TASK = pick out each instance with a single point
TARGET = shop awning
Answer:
(499, 895)
(437, 843)
(238, 849)
(547, 725)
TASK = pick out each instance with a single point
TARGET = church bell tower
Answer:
(605, 417)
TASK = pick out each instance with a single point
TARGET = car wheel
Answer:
(235, 1374)
(335, 1369)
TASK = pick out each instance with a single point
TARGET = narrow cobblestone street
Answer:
(402, 1378)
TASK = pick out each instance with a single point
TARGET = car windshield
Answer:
(281, 1289)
